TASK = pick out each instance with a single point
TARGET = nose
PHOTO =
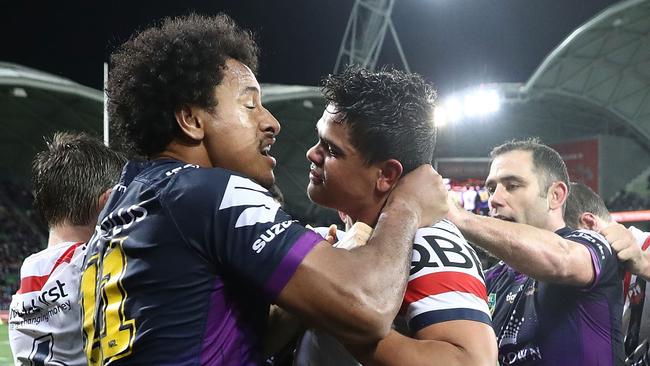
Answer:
(313, 155)
(496, 199)
(270, 124)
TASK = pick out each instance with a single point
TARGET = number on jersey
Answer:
(108, 334)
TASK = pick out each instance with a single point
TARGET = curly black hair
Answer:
(179, 61)
(389, 114)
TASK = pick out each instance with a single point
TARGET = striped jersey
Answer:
(183, 266)
(44, 316)
(446, 280)
(546, 324)
(445, 283)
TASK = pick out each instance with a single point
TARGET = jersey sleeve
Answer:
(239, 227)
(446, 281)
(598, 248)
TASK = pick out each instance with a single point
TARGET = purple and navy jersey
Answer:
(183, 266)
(547, 324)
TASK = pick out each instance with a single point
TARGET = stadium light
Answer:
(454, 109)
(439, 116)
(474, 103)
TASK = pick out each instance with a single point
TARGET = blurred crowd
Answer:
(22, 233)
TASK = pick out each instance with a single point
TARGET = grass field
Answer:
(5, 352)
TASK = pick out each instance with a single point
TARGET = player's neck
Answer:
(187, 153)
(369, 213)
(69, 233)
(555, 222)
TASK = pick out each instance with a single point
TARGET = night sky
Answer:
(453, 43)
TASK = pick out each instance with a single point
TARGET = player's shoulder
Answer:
(589, 238)
(444, 228)
(582, 235)
(191, 176)
(50, 255)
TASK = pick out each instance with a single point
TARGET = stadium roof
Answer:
(605, 64)
(34, 104)
(595, 82)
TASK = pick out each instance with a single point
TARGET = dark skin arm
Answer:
(344, 292)
(451, 343)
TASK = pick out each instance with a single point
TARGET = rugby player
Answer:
(377, 127)
(72, 179)
(556, 292)
(586, 210)
(192, 248)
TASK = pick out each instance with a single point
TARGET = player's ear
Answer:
(589, 221)
(389, 173)
(103, 198)
(190, 122)
(557, 194)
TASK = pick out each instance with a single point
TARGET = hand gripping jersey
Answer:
(44, 316)
(445, 283)
(183, 266)
(546, 324)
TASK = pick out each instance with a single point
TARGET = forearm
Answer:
(397, 349)
(355, 295)
(387, 259)
(539, 253)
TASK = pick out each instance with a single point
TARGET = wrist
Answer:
(645, 265)
(403, 210)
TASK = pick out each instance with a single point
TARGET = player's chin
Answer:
(315, 193)
(264, 177)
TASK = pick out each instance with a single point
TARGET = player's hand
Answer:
(331, 235)
(456, 211)
(423, 190)
(627, 250)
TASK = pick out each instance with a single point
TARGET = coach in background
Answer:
(192, 248)
(72, 179)
(556, 293)
(586, 210)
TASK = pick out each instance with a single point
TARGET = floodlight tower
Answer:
(365, 33)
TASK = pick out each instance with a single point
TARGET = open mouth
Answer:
(266, 150)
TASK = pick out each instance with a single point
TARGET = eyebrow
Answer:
(250, 89)
(507, 178)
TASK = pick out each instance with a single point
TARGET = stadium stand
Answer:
(22, 233)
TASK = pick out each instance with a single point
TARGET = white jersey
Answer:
(445, 283)
(469, 199)
(44, 317)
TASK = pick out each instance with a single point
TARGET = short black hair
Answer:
(178, 62)
(548, 163)
(389, 114)
(70, 175)
(583, 199)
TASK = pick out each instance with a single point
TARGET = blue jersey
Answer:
(183, 266)
(546, 324)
